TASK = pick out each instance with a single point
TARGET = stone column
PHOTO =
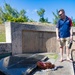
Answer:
(8, 32)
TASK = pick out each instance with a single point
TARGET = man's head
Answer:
(61, 13)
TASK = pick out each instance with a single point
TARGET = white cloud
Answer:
(31, 11)
(27, 10)
(34, 11)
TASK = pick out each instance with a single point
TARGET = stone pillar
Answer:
(8, 32)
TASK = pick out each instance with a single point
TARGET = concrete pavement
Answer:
(20, 62)
(62, 68)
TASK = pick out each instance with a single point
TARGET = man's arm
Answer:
(71, 31)
(57, 33)
(57, 30)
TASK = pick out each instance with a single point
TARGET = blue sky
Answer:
(31, 6)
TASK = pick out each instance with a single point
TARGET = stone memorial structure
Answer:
(29, 38)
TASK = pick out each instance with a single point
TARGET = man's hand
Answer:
(71, 38)
(58, 39)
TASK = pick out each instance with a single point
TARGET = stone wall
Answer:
(5, 47)
(38, 41)
(28, 38)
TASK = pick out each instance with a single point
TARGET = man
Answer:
(64, 33)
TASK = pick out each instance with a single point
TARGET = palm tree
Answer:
(41, 13)
(56, 17)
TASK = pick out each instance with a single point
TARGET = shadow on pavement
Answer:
(57, 67)
(73, 58)
(74, 66)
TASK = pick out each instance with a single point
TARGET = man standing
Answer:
(64, 33)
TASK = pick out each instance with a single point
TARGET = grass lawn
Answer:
(52, 56)
(2, 37)
(2, 33)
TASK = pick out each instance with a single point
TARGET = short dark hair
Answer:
(61, 10)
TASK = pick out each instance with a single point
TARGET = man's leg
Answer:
(61, 49)
(61, 54)
(67, 52)
(67, 48)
